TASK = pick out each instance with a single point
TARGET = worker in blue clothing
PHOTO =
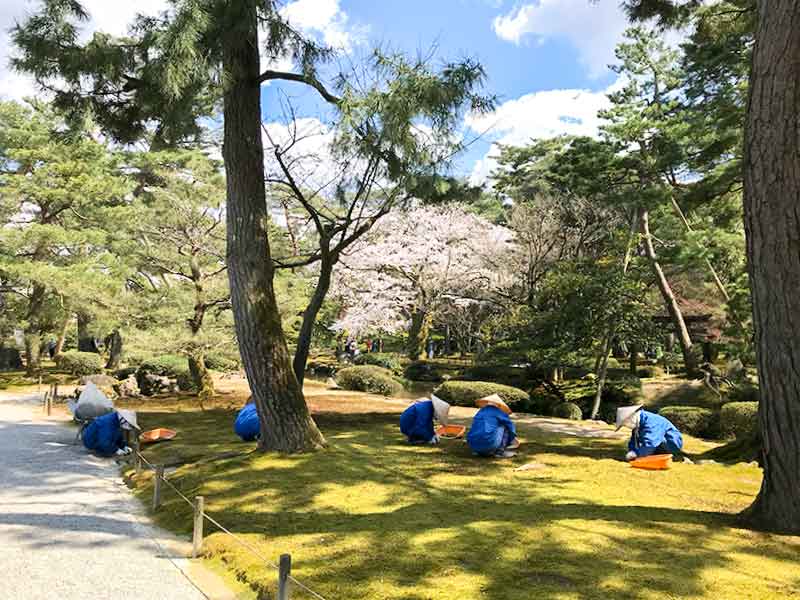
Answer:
(492, 432)
(652, 433)
(104, 435)
(247, 426)
(416, 422)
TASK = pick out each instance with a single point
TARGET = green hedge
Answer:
(368, 378)
(385, 360)
(220, 362)
(568, 410)
(744, 393)
(422, 370)
(739, 419)
(694, 420)
(79, 363)
(465, 393)
(649, 371)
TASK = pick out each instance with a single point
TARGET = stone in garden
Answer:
(99, 380)
(151, 384)
(129, 388)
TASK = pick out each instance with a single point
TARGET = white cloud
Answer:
(326, 19)
(543, 114)
(107, 16)
(594, 29)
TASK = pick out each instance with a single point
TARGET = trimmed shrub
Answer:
(173, 366)
(507, 375)
(465, 393)
(568, 410)
(387, 361)
(220, 362)
(368, 378)
(542, 401)
(745, 393)
(79, 363)
(421, 370)
(649, 371)
(739, 419)
(694, 420)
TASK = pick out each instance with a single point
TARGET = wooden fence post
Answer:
(284, 570)
(137, 458)
(157, 486)
(197, 537)
(48, 403)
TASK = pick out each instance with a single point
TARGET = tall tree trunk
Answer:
(681, 331)
(86, 341)
(201, 378)
(772, 225)
(633, 358)
(601, 366)
(114, 345)
(310, 317)
(286, 424)
(32, 332)
(62, 335)
(418, 334)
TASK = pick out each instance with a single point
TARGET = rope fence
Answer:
(284, 567)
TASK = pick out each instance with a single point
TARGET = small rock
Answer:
(128, 388)
(99, 380)
(531, 466)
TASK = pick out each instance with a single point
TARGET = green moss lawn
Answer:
(371, 517)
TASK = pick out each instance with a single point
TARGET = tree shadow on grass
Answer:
(372, 517)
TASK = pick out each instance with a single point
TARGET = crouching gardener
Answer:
(247, 425)
(104, 436)
(492, 432)
(416, 422)
(652, 433)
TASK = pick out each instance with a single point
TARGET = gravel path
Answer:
(69, 528)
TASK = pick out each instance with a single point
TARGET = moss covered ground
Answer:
(374, 518)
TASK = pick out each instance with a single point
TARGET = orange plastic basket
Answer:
(656, 462)
(157, 435)
(451, 431)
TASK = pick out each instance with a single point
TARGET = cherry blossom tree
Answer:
(416, 263)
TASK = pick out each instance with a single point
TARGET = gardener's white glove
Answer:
(631, 455)
(434, 440)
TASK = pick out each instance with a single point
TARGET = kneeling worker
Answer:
(416, 422)
(492, 432)
(652, 433)
(247, 426)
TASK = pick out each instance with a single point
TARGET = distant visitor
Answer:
(652, 433)
(416, 422)
(492, 432)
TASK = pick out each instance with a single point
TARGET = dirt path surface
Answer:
(69, 528)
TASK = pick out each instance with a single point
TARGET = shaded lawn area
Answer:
(371, 517)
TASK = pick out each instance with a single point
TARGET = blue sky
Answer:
(545, 59)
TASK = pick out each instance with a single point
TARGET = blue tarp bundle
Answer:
(491, 430)
(103, 436)
(654, 431)
(416, 422)
(247, 425)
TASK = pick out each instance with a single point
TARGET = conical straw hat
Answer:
(441, 409)
(625, 413)
(494, 400)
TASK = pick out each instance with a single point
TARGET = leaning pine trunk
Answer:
(62, 335)
(85, 339)
(33, 357)
(309, 318)
(286, 424)
(114, 343)
(201, 377)
(671, 303)
(772, 225)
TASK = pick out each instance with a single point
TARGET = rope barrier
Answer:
(225, 530)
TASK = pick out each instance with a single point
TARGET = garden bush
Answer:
(79, 363)
(368, 378)
(173, 366)
(744, 393)
(422, 370)
(505, 374)
(124, 373)
(380, 359)
(222, 363)
(694, 420)
(465, 393)
(739, 419)
(568, 410)
(542, 401)
(649, 371)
